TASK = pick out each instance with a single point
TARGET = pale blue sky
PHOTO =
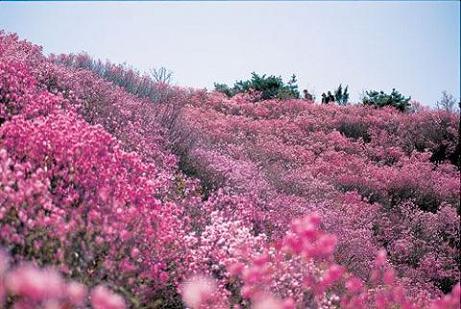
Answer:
(412, 46)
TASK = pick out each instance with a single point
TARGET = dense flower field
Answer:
(119, 192)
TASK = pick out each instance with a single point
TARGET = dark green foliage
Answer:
(270, 87)
(341, 95)
(355, 130)
(327, 98)
(308, 96)
(381, 99)
(224, 89)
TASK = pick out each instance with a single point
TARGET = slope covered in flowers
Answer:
(380, 178)
(119, 192)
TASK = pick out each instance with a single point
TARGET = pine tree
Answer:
(271, 87)
(342, 96)
(381, 99)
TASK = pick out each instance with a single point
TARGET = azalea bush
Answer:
(322, 154)
(119, 191)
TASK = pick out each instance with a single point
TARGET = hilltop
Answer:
(144, 195)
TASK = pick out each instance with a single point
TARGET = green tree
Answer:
(308, 96)
(270, 87)
(224, 89)
(381, 99)
(328, 98)
(342, 95)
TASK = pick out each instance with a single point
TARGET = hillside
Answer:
(142, 195)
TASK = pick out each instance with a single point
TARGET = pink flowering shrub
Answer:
(102, 298)
(198, 292)
(301, 149)
(73, 198)
(15, 82)
(157, 196)
(27, 286)
(306, 252)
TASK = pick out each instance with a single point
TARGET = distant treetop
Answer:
(340, 96)
(381, 99)
(270, 87)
